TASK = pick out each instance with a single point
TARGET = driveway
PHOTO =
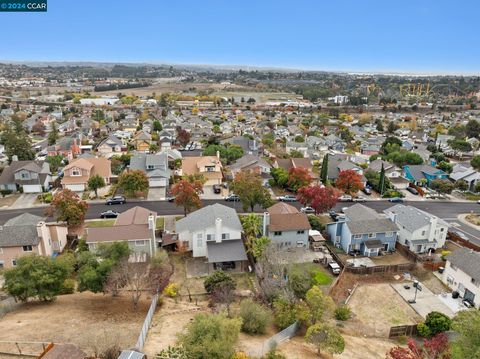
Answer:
(209, 194)
(26, 200)
(156, 194)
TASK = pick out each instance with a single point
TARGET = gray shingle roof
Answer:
(411, 218)
(23, 220)
(205, 217)
(20, 231)
(226, 251)
(359, 212)
(141, 161)
(379, 225)
(467, 261)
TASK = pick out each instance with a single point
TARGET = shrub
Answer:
(216, 278)
(437, 322)
(424, 330)
(321, 278)
(240, 355)
(342, 313)
(254, 317)
(445, 254)
(5, 192)
(274, 355)
(171, 290)
(284, 313)
(315, 223)
(68, 286)
(172, 353)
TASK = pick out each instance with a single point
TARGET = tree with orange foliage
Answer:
(298, 177)
(67, 206)
(349, 182)
(437, 347)
(321, 199)
(187, 194)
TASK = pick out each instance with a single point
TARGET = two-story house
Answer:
(462, 274)
(418, 230)
(215, 233)
(286, 226)
(68, 147)
(142, 141)
(418, 174)
(135, 226)
(251, 163)
(110, 146)
(30, 234)
(341, 162)
(363, 230)
(289, 163)
(78, 172)
(208, 166)
(155, 166)
(30, 176)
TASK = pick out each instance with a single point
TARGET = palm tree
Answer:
(252, 225)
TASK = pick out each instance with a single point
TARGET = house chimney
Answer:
(14, 158)
(266, 222)
(218, 155)
(151, 221)
(218, 230)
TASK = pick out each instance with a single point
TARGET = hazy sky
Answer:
(354, 35)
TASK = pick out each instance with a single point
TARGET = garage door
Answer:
(158, 182)
(76, 187)
(32, 188)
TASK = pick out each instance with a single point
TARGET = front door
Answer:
(469, 296)
(385, 247)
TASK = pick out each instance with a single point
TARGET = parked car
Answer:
(232, 198)
(345, 198)
(367, 191)
(287, 198)
(395, 200)
(170, 198)
(116, 200)
(334, 267)
(217, 188)
(109, 214)
(307, 210)
(333, 215)
(360, 199)
(412, 190)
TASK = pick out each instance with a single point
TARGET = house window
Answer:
(210, 168)
(475, 282)
(27, 248)
(300, 232)
(225, 235)
(14, 262)
(76, 172)
(357, 236)
(277, 233)
(210, 237)
(449, 280)
(200, 242)
(139, 243)
(372, 235)
(442, 229)
(388, 234)
(24, 175)
(423, 233)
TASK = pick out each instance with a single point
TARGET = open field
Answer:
(85, 319)
(377, 307)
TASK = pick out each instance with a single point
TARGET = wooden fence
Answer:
(433, 266)
(402, 330)
(457, 239)
(395, 268)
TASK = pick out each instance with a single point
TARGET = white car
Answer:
(334, 267)
(345, 198)
(360, 199)
(307, 210)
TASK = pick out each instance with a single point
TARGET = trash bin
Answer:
(440, 270)
(455, 294)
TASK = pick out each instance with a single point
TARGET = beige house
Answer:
(30, 234)
(208, 166)
(79, 171)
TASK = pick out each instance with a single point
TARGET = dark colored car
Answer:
(412, 190)
(367, 191)
(116, 200)
(395, 200)
(232, 198)
(217, 188)
(109, 214)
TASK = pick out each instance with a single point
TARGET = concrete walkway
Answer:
(169, 224)
(26, 200)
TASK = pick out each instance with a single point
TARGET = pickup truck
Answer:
(334, 267)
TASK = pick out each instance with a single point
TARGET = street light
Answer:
(418, 287)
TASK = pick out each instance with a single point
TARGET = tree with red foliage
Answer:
(67, 206)
(436, 348)
(349, 182)
(298, 177)
(187, 195)
(183, 136)
(321, 199)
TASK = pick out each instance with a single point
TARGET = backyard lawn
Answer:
(319, 275)
(100, 223)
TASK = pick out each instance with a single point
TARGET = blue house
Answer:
(363, 230)
(417, 173)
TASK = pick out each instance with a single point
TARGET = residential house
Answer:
(442, 141)
(466, 173)
(341, 162)
(110, 146)
(29, 176)
(462, 274)
(418, 174)
(418, 230)
(78, 172)
(68, 147)
(208, 166)
(391, 171)
(215, 233)
(289, 163)
(286, 226)
(155, 167)
(30, 234)
(142, 141)
(252, 163)
(301, 147)
(363, 230)
(248, 145)
(135, 226)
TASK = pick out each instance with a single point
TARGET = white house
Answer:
(462, 274)
(418, 230)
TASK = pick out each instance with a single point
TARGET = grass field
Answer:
(100, 223)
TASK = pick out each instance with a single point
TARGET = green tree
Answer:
(258, 245)
(255, 317)
(445, 167)
(95, 182)
(55, 162)
(36, 277)
(325, 338)
(442, 186)
(461, 185)
(157, 126)
(472, 129)
(211, 336)
(53, 135)
(381, 180)
(284, 313)
(249, 187)
(466, 343)
(228, 153)
(280, 176)
(216, 279)
(67, 206)
(437, 322)
(475, 162)
(133, 182)
(324, 170)
(460, 145)
(17, 142)
(252, 225)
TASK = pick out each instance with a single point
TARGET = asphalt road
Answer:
(447, 210)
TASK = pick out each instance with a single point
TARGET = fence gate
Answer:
(402, 330)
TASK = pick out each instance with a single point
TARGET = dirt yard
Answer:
(85, 319)
(376, 308)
